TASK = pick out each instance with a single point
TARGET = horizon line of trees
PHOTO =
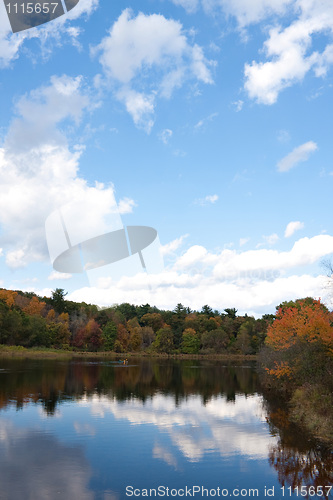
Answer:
(30, 320)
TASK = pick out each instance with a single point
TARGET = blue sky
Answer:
(208, 120)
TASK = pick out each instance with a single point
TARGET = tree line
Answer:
(29, 320)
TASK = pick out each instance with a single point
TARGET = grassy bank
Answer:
(45, 353)
(311, 406)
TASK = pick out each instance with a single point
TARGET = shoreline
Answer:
(31, 353)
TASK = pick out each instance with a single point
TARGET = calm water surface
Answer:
(98, 430)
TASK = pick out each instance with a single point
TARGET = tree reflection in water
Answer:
(298, 459)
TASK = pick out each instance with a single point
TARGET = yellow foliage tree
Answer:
(8, 296)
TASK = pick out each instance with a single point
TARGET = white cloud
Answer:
(304, 252)
(39, 172)
(271, 239)
(15, 258)
(247, 11)
(292, 227)
(42, 110)
(254, 281)
(137, 42)
(243, 241)
(203, 122)
(9, 43)
(238, 105)
(165, 135)
(190, 6)
(59, 276)
(171, 247)
(298, 155)
(288, 52)
(212, 198)
(140, 106)
(126, 205)
(84, 7)
(149, 45)
(207, 199)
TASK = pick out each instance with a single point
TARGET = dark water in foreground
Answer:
(84, 430)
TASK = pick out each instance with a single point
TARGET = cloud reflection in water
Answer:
(219, 426)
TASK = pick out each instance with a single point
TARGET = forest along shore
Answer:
(294, 346)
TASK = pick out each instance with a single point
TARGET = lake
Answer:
(84, 430)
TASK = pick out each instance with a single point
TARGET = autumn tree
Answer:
(302, 337)
(135, 335)
(8, 296)
(122, 340)
(164, 341)
(154, 320)
(89, 337)
(35, 307)
(215, 341)
(148, 336)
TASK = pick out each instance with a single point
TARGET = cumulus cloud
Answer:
(149, 45)
(254, 280)
(247, 11)
(292, 227)
(40, 112)
(126, 205)
(40, 172)
(297, 155)
(289, 52)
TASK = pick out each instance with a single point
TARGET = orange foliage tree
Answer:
(306, 326)
(35, 307)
